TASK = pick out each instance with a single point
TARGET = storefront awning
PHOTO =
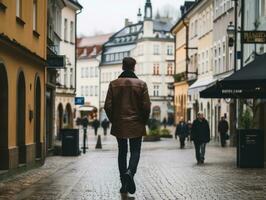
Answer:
(249, 82)
(200, 85)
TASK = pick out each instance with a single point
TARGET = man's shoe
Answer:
(130, 184)
(123, 189)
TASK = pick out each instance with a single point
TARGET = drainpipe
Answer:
(77, 13)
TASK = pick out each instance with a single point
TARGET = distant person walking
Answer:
(164, 122)
(95, 125)
(127, 106)
(85, 123)
(182, 132)
(200, 136)
(223, 129)
(105, 126)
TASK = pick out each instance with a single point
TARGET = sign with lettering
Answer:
(254, 37)
(79, 100)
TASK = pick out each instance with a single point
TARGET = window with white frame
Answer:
(72, 32)
(96, 90)
(170, 50)
(34, 15)
(156, 49)
(19, 8)
(156, 90)
(82, 90)
(262, 6)
(65, 29)
(87, 91)
(91, 90)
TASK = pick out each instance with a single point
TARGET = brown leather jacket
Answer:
(127, 106)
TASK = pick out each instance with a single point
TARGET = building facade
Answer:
(150, 42)
(88, 77)
(66, 78)
(22, 82)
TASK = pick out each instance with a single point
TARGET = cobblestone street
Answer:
(165, 172)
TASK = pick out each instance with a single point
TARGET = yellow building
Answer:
(22, 81)
(181, 32)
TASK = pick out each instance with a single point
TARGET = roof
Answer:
(93, 40)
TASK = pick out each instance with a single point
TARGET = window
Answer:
(262, 8)
(65, 77)
(19, 8)
(34, 15)
(112, 57)
(91, 71)
(71, 77)
(65, 29)
(169, 50)
(81, 90)
(156, 89)
(156, 69)
(72, 31)
(96, 90)
(170, 69)
(91, 90)
(86, 72)
(87, 91)
(108, 57)
(156, 49)
(96, 71)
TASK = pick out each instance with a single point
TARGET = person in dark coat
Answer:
(182, 132)
(96, 125)
(164, 122)
(127, 106)
(201, 136)
(105, 126)
(223, 129)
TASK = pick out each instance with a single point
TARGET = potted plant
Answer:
(154, 131)
(165, 133)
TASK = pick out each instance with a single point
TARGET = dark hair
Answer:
(129, 63)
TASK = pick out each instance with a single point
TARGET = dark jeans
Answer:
(105, 131)
(200, 150)
(223, 139)
(182, 141)
(95, 131)
(135, 148)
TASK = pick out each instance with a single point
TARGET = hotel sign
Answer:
(254, 37)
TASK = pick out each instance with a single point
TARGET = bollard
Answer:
(99, 143)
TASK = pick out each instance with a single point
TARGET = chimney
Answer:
(127, 22)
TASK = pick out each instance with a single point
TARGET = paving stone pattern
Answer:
(165, 173)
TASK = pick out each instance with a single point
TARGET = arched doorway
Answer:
(68, 116)
(156, 113)
(37, 117)
(21, 111)
(60, 112)
(4, 157)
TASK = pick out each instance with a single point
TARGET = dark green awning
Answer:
(249, 82)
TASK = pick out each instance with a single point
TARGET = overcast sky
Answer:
(105, 16)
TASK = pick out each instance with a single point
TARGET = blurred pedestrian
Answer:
(164, 122)
(200, 136)
(105, 126)
(189, 126)
(127, 106)
(223, 129)
(95, 125)
(181, 132)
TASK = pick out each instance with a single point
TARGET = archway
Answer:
(4, 155)
(68, 116)
(21, 111)
(156, 113)
(37, 117)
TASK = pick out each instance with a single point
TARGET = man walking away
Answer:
(127, 106)
(181, 132)
(95, 125)
(200, 136)
(164, 122)
(223, 129)
(105, 126)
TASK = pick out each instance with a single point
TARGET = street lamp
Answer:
(231, 34)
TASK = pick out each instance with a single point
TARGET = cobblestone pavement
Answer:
(165, 172)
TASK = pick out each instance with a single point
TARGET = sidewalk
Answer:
(165, 172)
